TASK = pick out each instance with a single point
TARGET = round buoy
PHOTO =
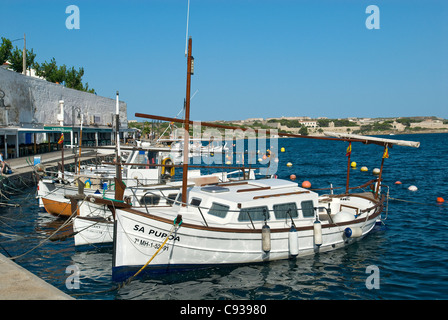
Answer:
(397, 182)
(228, 162)
(440, 200)
(364, 169)
(306, 184)
(282, 149)
(353, 164)
(376, 171)
(292, 177)
(289, 164)
(264, 157)
(412, 188)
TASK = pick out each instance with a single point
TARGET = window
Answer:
(254, 214)
(286, 210)
(195, 202)
(219, 210)
(307, 209)
(151, 200)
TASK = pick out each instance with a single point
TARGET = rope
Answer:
(422, 203)
(66, 223)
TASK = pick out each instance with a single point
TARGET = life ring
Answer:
(167, 162)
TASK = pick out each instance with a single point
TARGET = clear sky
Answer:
(263, 58)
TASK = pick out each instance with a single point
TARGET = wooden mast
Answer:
(187, 126)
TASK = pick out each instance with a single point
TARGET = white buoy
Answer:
(293, 241)
(354, 232)
(412, 188)
(376, 171)
(266, 238)
(317, 233)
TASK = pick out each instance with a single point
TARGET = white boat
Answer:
(94, 223)
(147, 169)
(242, 222)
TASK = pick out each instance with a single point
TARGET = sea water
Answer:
(406, 258)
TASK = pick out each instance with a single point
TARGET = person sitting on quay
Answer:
(4, 164)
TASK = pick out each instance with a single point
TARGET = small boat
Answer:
(243, 222)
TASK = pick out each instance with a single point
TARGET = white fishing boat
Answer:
(94, 222)
(242, 222)
(148, 166)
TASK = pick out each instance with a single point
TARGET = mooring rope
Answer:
(422, 203)
(63, 225)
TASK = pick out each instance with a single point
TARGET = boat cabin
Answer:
(251, 202)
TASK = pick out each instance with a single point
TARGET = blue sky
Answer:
(264, 58)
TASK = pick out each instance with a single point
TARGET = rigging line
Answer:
(426, 204)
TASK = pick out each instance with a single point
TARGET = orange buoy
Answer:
(397, 182)
(292, 177)
(306, 184)
(440, 200)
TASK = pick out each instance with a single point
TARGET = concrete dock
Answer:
(17, 283)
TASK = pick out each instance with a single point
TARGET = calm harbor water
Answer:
(410, 251)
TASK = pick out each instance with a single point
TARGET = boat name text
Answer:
(156, 233)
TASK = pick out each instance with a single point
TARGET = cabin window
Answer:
(254, 214)
(172, 197)
(285, 210)
(307, 209)
(151, 200)
(218, 210)
(195, 202)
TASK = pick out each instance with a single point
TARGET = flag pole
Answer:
(348, 154)
(385, 155)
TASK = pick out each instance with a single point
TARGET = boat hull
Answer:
(57, 208)
(93, 231)
(139, 236)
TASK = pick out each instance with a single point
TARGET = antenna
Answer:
(186, 35)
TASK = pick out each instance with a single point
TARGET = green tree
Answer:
(303, 131)
(16, 59)
(51, 72)
(5, 50)
(323, 122)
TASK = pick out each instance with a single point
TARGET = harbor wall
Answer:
(32, 102)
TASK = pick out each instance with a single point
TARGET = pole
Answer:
(187, 127)
(24, 55)
(117, 140)
(349, 153)
(348, 174)
(62, 155)
(80, 144)
(385, 155)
